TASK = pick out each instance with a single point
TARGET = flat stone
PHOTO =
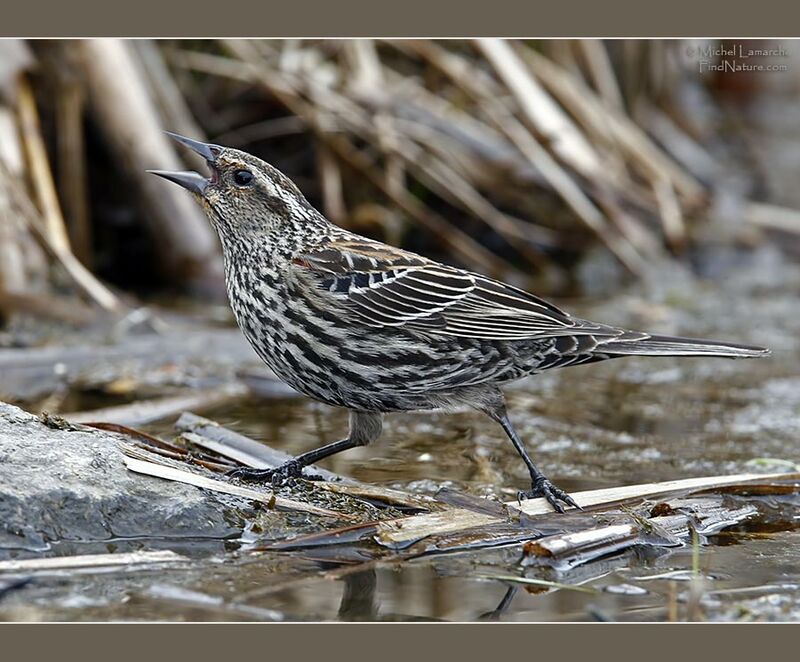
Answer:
(70, 484)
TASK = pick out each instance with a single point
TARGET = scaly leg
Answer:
(365, 427)
(540, 484)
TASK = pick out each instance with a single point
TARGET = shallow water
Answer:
(621, 422)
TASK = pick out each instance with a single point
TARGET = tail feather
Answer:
(678, 346)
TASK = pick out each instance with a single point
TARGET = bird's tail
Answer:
(677, 346)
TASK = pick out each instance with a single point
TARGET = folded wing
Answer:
(384, 286)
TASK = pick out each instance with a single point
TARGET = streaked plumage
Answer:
(359, 324)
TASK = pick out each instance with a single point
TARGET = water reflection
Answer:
(359, 596)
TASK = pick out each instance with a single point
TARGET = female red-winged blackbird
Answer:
(359, 324)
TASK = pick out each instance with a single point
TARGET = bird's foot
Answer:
(542, 487)
(278, 476)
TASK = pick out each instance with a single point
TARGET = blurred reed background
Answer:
(521, 159)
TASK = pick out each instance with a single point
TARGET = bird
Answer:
(359, 324)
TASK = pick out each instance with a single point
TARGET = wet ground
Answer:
(622, 422)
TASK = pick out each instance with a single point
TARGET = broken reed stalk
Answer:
(590, 110)
(330, 175)
(69, 310)
(457, 157)
(772, 217)
(422, 151)
(450, 186)
(565, 139)
(23, 264)
(437, 175)
(80, 275)
(250, 69)
(50, 228)
(670, 211)
(368, 75)
(88, 561)
(126, 115)
(598, 64)
(562, 182)
(683, 519)
(140, 462)
(41, 179)
(462, 244)
(12, 260)
(666, 178)
(421, 526)
(71, 162)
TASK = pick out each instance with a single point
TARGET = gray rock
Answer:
(59, 484)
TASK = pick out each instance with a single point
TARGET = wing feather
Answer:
(385, 286)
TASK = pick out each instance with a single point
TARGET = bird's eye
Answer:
(242, 178)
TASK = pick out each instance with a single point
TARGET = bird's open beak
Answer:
(208, 151)
(192, 181)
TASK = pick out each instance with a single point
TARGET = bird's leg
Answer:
(540, 484)
(365, 427)
(294, 467)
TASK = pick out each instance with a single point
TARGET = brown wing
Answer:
(385, 286)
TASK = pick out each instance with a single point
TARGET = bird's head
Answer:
(244, 194)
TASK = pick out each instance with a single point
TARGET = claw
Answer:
(554, 495)
(246, 473)
(277, 476)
